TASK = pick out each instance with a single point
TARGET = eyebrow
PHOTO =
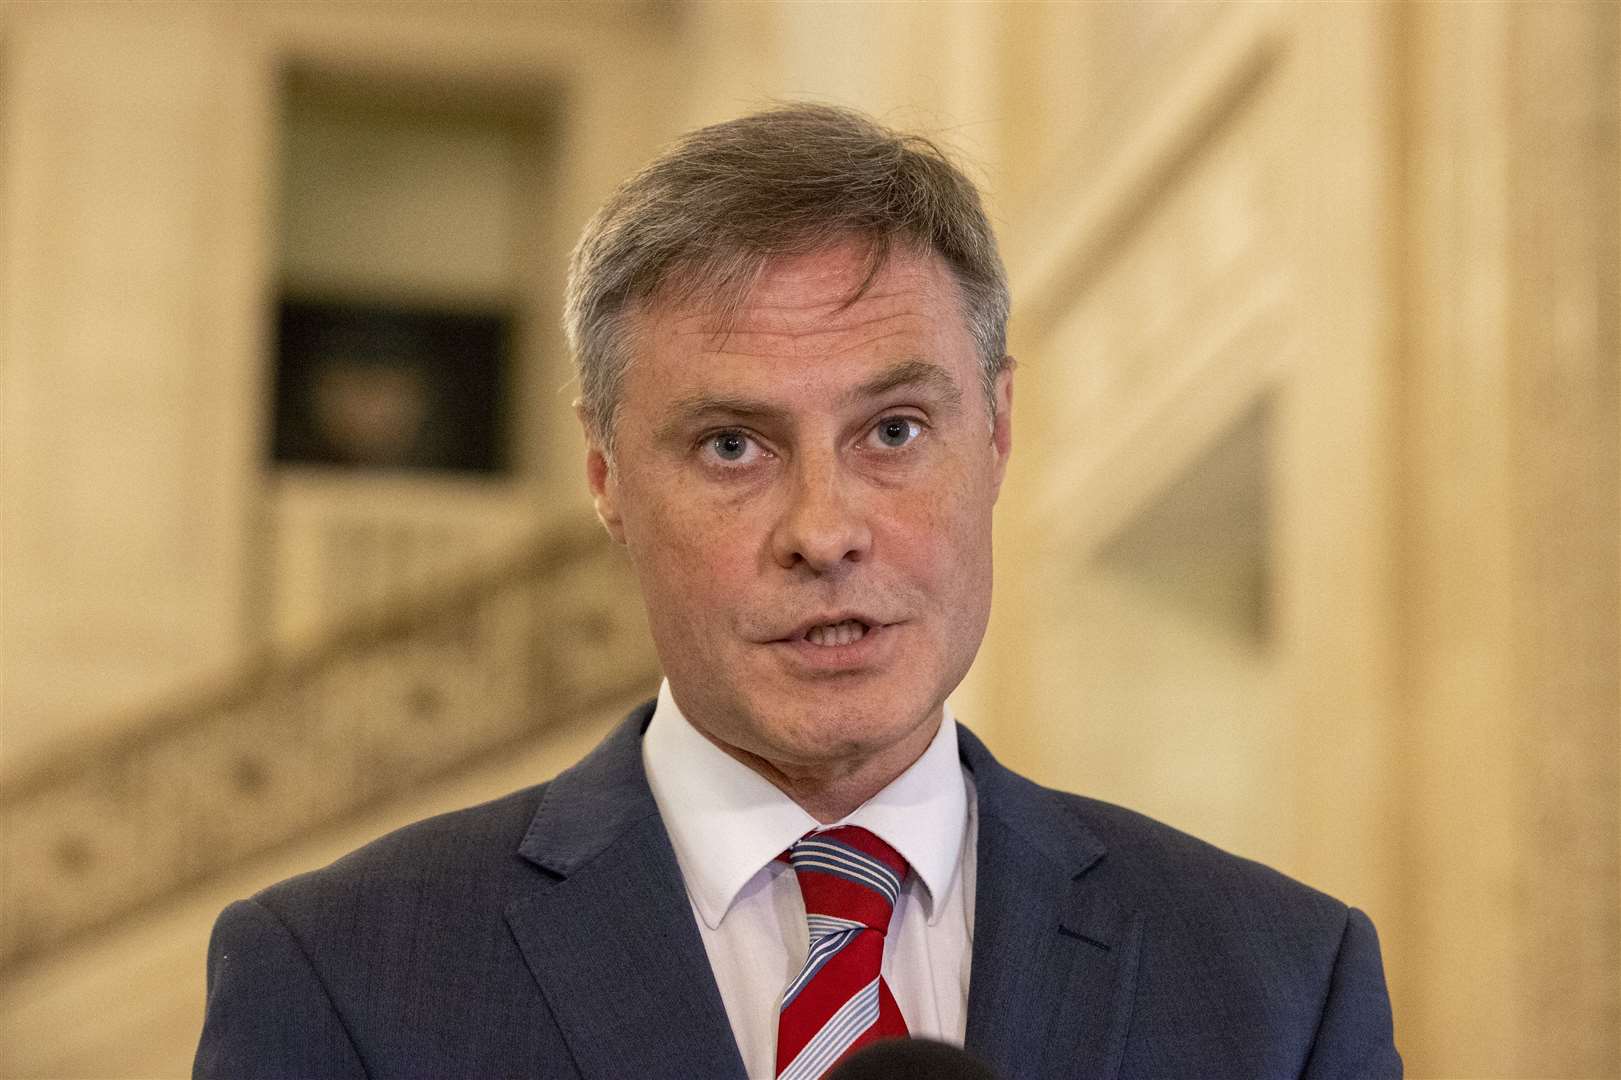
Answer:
(901, 375)
(910, 373)
(689, 410)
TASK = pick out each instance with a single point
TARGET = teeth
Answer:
(843, 633)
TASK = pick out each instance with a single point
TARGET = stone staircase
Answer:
(300, 741)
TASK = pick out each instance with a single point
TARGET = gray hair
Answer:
(707, 215)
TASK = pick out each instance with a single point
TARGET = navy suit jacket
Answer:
(548, 934)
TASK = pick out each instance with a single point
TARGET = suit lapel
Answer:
(1054, 957)
(611, 939)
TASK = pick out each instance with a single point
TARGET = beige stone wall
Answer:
(1309, 545)
(1510, 360)
(151, 556)
(1312, 540)
(147, 545)
(131, 356)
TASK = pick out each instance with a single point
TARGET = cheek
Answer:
(690, 562)
(941, 533)
(946, 558)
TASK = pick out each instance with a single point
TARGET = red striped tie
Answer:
(839, 1001)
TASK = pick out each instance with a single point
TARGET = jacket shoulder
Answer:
(1166, 865)
(1158, 869)
(469, 854)
(1235, 955)
(396, 959)
(1144, 864)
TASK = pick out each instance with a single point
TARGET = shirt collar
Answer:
(705, 794)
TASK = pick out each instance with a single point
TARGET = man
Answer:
(797, 405)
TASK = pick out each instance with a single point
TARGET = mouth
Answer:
(839, 643)
(843, 632)
(832, 630)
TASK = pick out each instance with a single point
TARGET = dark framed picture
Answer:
(377, 386)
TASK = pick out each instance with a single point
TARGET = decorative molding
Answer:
(301, 740)
(343, 542)
(1229, 369)
(1078, 235)
(1162, 296)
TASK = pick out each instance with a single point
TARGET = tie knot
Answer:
(848, 877)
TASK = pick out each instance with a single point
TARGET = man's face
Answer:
(805, 491)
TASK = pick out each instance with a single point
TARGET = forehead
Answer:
(809, 308)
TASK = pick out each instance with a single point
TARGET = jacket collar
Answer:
(609, 937)
(1055, 955)
(589, 806)
(612, 941)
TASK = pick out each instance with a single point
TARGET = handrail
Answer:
(302, 739)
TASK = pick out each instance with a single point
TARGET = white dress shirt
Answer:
(728, 824)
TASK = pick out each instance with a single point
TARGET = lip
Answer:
(870, 651)
(798, 633)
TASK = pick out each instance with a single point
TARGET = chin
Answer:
(842, 723)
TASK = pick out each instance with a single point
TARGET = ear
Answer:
(603, 481)
(1002, 426)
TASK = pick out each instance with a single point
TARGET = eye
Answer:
(732, 447)
(896, 431)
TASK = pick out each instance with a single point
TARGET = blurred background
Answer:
(1310, 545)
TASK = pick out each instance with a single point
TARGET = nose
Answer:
(823, 526)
